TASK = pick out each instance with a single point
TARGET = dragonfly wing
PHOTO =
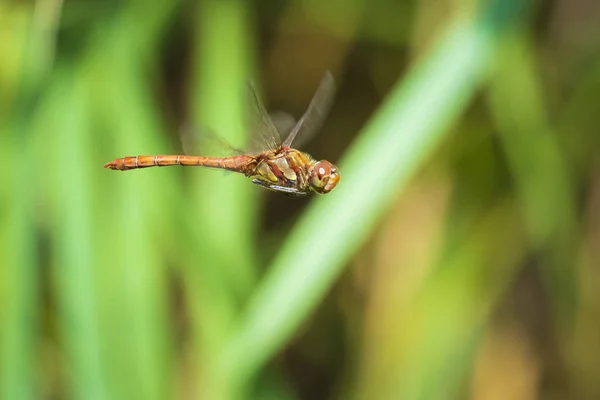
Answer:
(203, 140)
(264, 130)
(317, 110)
(284, 122)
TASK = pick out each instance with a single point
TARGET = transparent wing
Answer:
(284, 122)
(264, 133)
(313, 118)
(203, 140)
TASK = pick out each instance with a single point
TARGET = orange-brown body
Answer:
(284, 170)
(280, 167)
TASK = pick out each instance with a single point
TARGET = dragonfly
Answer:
(278, 166)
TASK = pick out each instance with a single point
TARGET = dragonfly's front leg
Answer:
(280, 189)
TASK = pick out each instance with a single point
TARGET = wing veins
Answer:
(315, 114)
(267, 129)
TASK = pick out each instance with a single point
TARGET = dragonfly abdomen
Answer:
(238, 163)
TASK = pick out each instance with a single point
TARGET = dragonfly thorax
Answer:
(295, 172)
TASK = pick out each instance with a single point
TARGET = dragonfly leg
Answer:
(281, 189)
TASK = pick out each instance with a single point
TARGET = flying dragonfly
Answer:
(278, 166)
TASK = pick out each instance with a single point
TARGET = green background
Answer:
(456, 259)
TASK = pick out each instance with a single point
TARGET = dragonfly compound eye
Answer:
(324, 176)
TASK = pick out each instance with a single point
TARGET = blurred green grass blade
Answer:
(456, 300)
(148, 31)
(134, 278)
(131, 276)
(224, 206)
(227, 204)
(224, 203)
(19, 286)
(108, 274)
(532, 149)
(399, 138)
(543, 178)
(134, 315)
(74, 256)
(19, 283)
(577, 115)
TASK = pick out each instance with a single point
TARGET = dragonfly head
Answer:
(323, 177)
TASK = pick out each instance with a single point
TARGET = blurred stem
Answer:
(535, 158)
(399, 138)
(578, 113)
(456, 300)
(20, 278)
(19, 282)
(46, 19)
(530, 145)
(227, 208)
(74, 272)
(109, 300)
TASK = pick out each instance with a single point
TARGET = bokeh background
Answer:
(458, 258)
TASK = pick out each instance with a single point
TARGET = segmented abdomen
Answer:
(238, 163)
